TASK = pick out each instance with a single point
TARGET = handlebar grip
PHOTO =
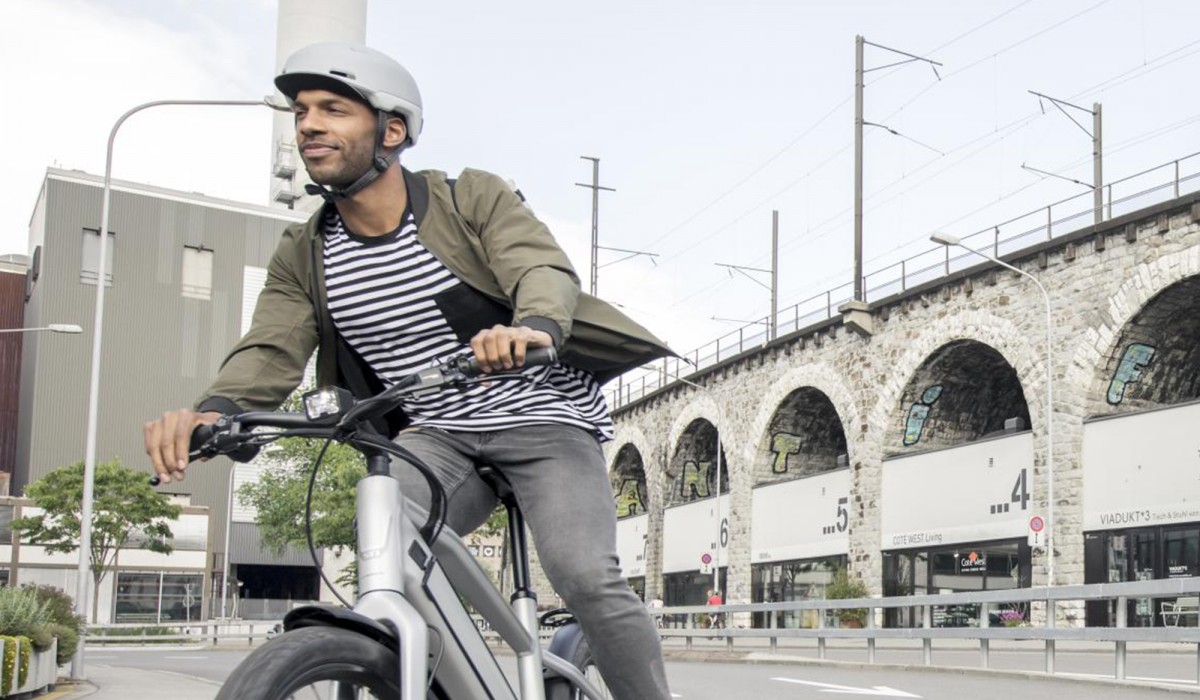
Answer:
(534, 357)
(201, 434)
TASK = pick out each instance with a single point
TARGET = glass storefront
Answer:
(801, 579)
(158, 597)
(983, 566)
(688, 588)
(1143, 554)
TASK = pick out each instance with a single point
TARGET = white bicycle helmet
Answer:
(364, 73)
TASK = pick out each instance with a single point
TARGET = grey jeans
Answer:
(558, 475)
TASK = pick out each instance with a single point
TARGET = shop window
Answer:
(158, 597)
(91, 257)
(197, 272)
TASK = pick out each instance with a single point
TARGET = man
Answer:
(715, 619)
(400, 270)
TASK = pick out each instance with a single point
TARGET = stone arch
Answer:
(692, 458)
(964, 390)
(1099, 350)
(1020, 349)
(628, 480)
(820, 377)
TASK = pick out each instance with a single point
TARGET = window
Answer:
(155, 597)
(197, 272)
(91, 257)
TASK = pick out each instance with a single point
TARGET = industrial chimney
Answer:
(304, 22)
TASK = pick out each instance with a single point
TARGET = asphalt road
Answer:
(702, 678)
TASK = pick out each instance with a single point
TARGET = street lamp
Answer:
(89, 464)
(53, 328)
(947, 239)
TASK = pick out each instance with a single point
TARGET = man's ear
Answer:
(395, 134)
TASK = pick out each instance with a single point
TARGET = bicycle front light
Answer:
(327, 401)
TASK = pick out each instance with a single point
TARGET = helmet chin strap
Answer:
(379, 162)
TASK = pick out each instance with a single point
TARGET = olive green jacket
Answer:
(483, 232)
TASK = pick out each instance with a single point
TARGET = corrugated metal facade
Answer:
(12, 315)
(160, 348)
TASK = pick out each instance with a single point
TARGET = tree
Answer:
(126, 511)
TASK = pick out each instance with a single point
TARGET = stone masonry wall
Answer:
(1097, 280)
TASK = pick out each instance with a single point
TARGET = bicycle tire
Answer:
(310, 655)
(570, 645)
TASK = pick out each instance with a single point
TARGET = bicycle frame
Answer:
(415, 591)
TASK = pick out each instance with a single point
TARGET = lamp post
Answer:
(950, 240)
(89, 464)
(70, 328)
(228, 527)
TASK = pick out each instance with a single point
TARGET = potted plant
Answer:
(843, 587)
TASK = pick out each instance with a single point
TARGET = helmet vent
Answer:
(342, 73)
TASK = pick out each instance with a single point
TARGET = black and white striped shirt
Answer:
(381, 293)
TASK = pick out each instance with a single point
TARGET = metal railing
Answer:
(1041, 623)
(1122, 196)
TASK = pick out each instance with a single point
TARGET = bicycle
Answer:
(408, 635)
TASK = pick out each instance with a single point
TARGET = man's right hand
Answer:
(167, 441)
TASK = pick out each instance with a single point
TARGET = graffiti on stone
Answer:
(783, 445)
(629, 498)
(917, 414)
(694, 482)
(1136, 357)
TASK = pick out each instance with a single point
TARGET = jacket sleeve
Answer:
(531, 268)
(268, 363)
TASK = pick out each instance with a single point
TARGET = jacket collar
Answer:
(418, 200)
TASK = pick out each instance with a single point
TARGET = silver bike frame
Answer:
(416, 591)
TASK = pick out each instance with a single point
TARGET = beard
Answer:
(352, 161)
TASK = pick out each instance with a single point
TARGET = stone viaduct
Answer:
(937, 365)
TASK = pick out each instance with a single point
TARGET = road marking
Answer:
(877, 691)
(187, 658)
(1108, 676)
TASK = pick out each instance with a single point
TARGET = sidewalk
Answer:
(122, 683)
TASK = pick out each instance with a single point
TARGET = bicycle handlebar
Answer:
(231, 434)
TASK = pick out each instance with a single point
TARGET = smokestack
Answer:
(304, 22)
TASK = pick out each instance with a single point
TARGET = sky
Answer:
(705, 116)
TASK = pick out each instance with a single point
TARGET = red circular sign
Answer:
(706, 558)
(1037, 524)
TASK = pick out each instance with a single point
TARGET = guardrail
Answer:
(212, 631)
(1043, 224)
(1049, 601)
(1040, 623)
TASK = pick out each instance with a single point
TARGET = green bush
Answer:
(64, 624)
(42, 637)
(843, 587)
(21, 612)
(6, 675)
(26, 648)
(68, 642)
(59, 605)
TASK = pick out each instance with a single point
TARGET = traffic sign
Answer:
(1037, 532)
(706, 558)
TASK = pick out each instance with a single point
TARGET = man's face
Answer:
(336, 136)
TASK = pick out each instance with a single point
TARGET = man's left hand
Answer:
(503, 347)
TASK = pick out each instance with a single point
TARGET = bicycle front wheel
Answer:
(323, 663)
(570, 645)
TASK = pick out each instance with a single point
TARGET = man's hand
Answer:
(167, 441)
(503, 347)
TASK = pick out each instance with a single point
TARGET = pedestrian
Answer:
(715, 619)
(400, 270)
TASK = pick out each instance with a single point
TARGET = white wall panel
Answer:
(689, 531)
(801, 519)
(975, 492)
